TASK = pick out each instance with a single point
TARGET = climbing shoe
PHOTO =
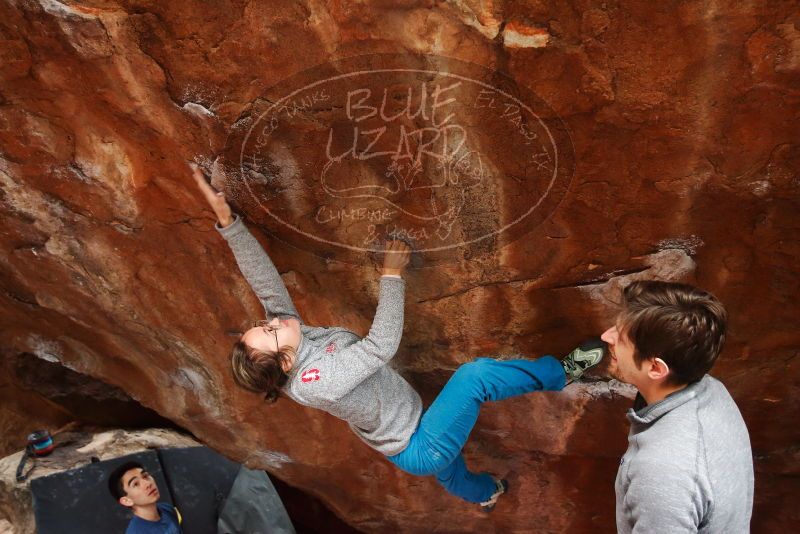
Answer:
(586, 356)
(501, 486)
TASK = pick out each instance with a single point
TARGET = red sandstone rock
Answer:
(683, 126)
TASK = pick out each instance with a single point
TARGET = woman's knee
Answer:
(421, 461)
(430, 468)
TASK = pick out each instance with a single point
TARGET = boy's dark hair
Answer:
(682, 325)
(115, 479)
(260, 371)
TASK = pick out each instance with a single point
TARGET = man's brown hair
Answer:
(260, 371)
(682, 325)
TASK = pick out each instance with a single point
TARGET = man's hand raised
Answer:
(215, 199)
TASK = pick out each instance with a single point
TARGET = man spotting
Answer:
(688, 467)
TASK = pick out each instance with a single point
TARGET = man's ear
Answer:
(658, 369)
(126, 501)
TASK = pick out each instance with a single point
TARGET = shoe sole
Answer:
(490, 507)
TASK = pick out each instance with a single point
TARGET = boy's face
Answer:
(140, 488)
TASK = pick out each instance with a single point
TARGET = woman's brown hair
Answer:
(260, 371)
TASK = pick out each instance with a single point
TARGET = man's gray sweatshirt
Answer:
(689, 467)
(335, 370)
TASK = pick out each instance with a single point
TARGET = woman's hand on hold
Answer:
(215, 199)
(396, 256)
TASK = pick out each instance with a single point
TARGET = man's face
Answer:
(621, 365)
(140, 488)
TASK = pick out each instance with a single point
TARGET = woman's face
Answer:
(270, 336)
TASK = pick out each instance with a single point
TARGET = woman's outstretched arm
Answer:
(362, 359)
(253, 261)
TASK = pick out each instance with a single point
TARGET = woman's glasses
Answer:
(269, 329)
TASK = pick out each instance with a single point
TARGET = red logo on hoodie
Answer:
(331, 347)
(310, 375)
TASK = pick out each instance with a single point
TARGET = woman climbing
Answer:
(349, 377)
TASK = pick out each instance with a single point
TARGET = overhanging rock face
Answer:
(570, 147)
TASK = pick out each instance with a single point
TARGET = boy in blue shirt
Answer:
(132, 486)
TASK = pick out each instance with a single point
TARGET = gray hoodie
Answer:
(689, 467)
(335, 370)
